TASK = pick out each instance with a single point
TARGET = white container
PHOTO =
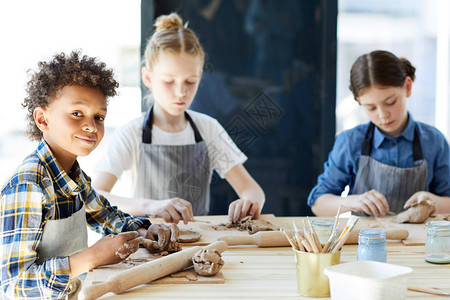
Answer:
(368, 280)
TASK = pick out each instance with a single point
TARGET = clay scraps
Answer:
(248, 224)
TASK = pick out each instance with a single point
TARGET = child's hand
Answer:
(241, 208)
(172, 210)
(371, 202)
(160, 234)
(112, 249)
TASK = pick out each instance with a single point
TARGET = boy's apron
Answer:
(396, 184)
(169, 171)
(64, 237)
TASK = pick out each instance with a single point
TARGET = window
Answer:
(415, 29)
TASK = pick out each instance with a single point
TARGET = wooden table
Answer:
(269, 273)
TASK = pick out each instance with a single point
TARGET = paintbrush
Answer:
(345, 233)
(333, 231)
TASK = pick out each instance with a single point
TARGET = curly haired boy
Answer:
(47, 203)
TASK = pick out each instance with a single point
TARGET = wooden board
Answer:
(211, 228)
(417, 232)
(142, 256)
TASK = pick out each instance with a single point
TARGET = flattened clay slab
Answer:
(189, 236)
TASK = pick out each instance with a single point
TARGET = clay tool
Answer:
(309, 238)
(291, 241)
(298, 237)
(314, 235)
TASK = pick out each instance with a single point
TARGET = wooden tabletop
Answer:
(269, 273)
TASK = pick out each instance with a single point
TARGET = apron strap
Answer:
(417, 147)
(148, 125)
(366, 146)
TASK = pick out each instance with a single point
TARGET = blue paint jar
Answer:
(437, 245)
(372, 245)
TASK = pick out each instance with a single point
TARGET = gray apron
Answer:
(169, 171)
(64, 237)
(396, 184)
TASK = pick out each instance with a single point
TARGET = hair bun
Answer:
(172, 21)
(409, 68)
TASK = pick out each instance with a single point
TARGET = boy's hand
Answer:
(160, 235)
(112, 249)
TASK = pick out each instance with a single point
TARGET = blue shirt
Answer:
(342, 166)
(38, 191)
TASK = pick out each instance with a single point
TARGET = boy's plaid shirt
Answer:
(38, 191)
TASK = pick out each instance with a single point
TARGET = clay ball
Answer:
(207, 262)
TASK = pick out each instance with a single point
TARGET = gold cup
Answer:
(311, 281)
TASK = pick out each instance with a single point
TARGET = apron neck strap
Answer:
(148, 125)
(366, 146)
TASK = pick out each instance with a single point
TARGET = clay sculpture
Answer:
(417, 213)
(207, 262)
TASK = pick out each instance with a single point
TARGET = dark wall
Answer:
(270, 80)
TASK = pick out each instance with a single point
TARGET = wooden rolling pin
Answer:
(278, 239)
(146, 272)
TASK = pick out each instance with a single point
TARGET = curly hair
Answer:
(64, 70)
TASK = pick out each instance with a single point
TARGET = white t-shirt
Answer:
(124, 149)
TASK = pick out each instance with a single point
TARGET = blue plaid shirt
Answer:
(38, 191)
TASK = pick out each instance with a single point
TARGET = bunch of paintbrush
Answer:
(308, 241)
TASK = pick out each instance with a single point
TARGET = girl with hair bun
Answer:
(171, 150)
(391, 162)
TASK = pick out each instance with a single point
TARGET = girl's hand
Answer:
(422, 196)
(241, 208)
(160, 235)
(172, 210)
(112, 249)
(371, 202)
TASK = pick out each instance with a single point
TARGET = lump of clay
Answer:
(173, 245)
(254, 226)
(417, 213)
(207, 262)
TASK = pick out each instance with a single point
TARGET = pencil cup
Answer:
(311, 281)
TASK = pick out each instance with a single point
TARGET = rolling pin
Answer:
(147, 272)
(278, 239)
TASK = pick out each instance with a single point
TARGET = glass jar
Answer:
(372, 245)
(437, 245)
(323, 229)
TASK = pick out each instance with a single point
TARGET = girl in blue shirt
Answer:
(391, 162)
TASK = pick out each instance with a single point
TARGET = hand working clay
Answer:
(417, 213)
(159, 243)
(207, 262)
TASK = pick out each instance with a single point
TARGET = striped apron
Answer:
(396, 184)
(169, 171)
(64, 237)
